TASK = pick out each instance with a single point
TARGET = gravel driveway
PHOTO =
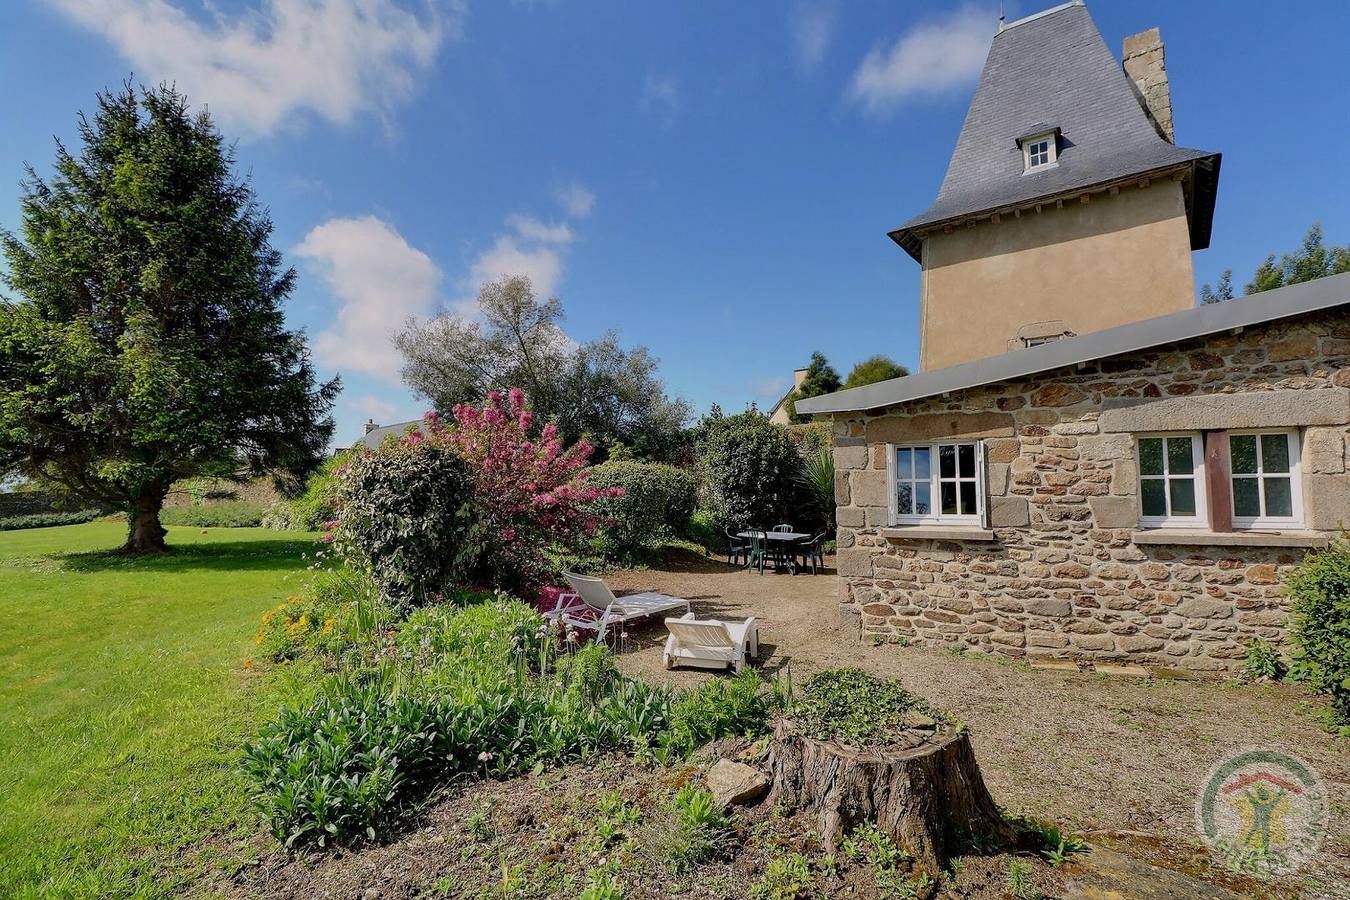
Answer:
(1097, 752)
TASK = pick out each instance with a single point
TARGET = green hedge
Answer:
(48, 519)
(657, 504)
(232, 514)
(752, 472)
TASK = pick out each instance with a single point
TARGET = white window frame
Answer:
(935, 516)
(1051, 141)
(1295, 476)
(1201, 517)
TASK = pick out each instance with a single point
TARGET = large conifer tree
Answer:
(147, 343)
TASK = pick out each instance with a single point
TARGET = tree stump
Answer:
(922, 796)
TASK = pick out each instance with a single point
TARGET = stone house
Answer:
(1088, 465)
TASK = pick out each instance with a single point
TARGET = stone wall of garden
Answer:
(1066, 574)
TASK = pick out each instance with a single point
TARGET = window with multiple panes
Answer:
(1263, 480)
(1039, 154)
(937, 484)
(1171, 481)
(1038, 151)
(1265, 483)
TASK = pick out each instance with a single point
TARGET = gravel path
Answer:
(1098, 752)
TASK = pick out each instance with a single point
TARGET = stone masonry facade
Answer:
(1068, 573)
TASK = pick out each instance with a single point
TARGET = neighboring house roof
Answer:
(373, 438)
(1255, 309)
(1053, 67)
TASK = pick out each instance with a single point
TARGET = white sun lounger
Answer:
(711, 644)
(593, 596)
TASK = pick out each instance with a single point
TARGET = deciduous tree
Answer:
(598, 390)
(874, 369)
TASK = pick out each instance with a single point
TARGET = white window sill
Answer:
(937, 533)
(1199, 537)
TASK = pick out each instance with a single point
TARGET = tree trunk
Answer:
(144, 533)
(926, 798)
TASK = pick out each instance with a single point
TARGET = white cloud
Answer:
(263, 68)
(576, 199)
(813, 23)
(533, 229)
(927, 59)
(661, 98)
(379, 281)
(531, 248)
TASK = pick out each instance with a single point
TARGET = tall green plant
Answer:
(818, 479)
(1320, 590)
(150, 343)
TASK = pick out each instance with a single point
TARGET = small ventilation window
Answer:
(1039, 151)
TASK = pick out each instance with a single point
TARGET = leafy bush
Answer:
(1320, 590)
(656, 504)
(1263, 661)
(229, 514)
(853, 707)
(703, 531)
(314, 507)
(407, 518)
(722, 707)
(48, 519)
(751, 471)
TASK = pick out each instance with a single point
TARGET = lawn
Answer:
(125, 697)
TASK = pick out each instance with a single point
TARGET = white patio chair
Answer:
(594, 606)
(711, 643)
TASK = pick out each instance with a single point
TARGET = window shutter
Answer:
(982, 488)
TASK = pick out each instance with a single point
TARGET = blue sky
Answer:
(712, 180)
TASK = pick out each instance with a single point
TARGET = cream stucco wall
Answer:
(1110, 261)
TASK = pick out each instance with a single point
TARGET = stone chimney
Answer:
(1146, 65)
(370, 426)
(798, 376)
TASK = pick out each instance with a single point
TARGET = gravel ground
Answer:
(1101, 753)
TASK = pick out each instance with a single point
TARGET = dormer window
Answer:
(1040, 148)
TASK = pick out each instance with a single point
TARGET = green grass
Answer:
(124, 699)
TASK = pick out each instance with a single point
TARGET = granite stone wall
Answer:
(1064, 570)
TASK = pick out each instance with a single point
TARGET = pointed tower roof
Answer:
(1053, 72)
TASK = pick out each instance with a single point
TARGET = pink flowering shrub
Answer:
(531, 494)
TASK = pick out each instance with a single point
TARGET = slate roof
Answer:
(1054, 67)
(373, 438)
(1268, 306)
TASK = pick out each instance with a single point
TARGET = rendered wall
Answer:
(1110, 261)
